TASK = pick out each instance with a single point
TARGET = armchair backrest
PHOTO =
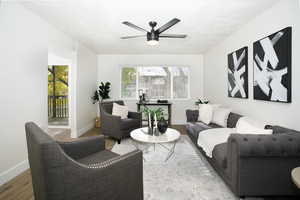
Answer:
(46, 159)
(107, 106)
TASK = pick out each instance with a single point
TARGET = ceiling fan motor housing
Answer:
(152, 36)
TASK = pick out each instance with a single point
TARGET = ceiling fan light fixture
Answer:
(152, 42)
(152, 38)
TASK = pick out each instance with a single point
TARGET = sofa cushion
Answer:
(220, 116)
(98, 157)
(194, 128)
(205, 113)
(220, 155)
(129, 123)
(246, 125)
(233, 118)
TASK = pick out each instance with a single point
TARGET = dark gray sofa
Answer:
(82, 169)
(252, 165)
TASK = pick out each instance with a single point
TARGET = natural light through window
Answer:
(159, 82)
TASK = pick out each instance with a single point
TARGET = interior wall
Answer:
(281, 15)
(23, 83)
(28, 45)
(109, 70)
(86, 84)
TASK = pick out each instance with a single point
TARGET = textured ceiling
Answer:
(97, 23)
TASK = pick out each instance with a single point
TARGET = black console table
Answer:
(147, 104)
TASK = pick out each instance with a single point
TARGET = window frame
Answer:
(171, 84)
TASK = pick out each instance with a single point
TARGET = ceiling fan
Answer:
(154, 35)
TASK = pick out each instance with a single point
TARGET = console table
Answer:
(147, 104)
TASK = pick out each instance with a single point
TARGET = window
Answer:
(159, 82)
(128, 84)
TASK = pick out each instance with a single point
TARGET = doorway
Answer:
(58, 95)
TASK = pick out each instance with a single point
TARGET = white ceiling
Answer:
(97, 23)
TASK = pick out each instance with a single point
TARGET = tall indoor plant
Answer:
(102, 93)
(99, 96)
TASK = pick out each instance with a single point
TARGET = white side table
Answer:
(296, 176)
(171, 136)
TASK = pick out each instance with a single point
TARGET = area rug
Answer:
(185, 176)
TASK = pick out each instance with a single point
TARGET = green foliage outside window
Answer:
(61, 80)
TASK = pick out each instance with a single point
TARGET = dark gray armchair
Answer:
(81, 169)
(116, 127)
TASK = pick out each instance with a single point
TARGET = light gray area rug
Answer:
(185, 176)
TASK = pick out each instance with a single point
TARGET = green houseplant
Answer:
(199, 101)
(158, 112)
(162, 125)
(103, 92)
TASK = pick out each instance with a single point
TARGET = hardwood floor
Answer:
(20, 188)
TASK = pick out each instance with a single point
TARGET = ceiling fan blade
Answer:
(168, 25)
(134, 26)
(134, 36)
(172, 35)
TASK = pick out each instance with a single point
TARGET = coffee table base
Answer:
(170, 150)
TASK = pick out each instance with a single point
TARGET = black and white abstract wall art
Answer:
(238, 73)
(272, 67)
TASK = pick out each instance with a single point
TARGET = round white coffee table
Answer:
(171, 136)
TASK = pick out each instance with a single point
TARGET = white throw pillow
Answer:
(249, 126)
(214, 106)
(120, 110)
(220, 116)
(205, 113)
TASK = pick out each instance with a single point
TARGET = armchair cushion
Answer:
(120, 110)
(129, 123)
(98, 157)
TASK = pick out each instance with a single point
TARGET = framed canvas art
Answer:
(272, 71)
(238, 73)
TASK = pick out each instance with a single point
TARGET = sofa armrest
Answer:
(118, 178)
(260, 165)
(83, 147)
(192, 115)
(135, 115)
(110, 121)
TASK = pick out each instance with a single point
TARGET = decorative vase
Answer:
(162, 125)
(150, 125)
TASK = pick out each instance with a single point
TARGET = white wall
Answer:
(283, 14)
(85, 88)
(109, 70)
(28, 45)
(23, 83)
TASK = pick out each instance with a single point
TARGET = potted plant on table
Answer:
(199, 102)
(156, 118)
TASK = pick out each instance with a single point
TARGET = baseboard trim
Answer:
(85, 129)
(13, 172)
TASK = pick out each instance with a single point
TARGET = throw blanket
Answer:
(208, 139)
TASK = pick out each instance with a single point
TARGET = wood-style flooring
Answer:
(20, 188)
